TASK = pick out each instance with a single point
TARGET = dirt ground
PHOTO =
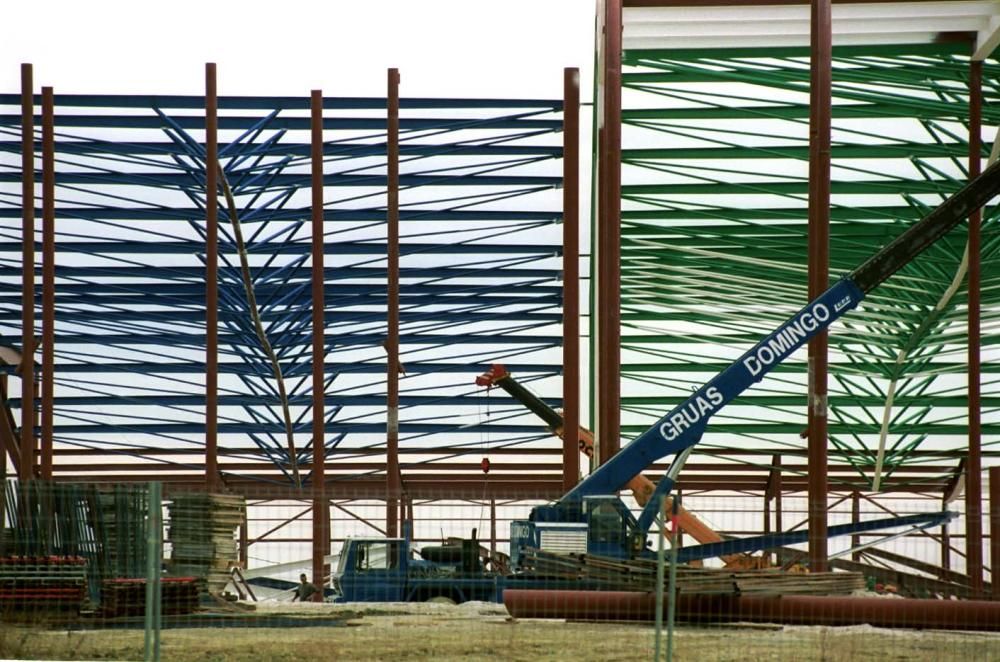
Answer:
(483, 632)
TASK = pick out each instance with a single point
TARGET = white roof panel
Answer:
(743, 26)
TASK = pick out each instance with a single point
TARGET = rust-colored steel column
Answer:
(767, 525)
(609, 238)
(211, 281)
(571, 278)
(945, 547)
(778, 524)
(995, 531)
(27, 466)
(321, 505)
(819, 264)
(392, 336)
(48, 278)
(974, 459)
(855, 518)
(244, 544)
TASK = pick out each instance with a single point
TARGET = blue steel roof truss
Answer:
(477, 283)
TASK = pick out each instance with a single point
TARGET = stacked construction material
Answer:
(42, 584)
(201, 536)
(123, 521)
(127, 597)
(104, 525)
(607, 574)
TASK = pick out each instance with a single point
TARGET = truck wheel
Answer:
(441, 600)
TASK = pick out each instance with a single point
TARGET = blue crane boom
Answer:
(682, 427)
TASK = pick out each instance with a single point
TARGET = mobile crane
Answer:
(591, 518)
(642, 487)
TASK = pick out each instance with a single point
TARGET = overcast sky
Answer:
(513, 48)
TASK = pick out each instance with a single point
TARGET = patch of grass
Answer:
(453, 635)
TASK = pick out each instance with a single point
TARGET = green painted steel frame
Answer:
(714, 192)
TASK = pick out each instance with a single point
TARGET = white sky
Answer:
(455, 48)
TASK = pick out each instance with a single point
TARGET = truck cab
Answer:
(390, 570)
(372, 570)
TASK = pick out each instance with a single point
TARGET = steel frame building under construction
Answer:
(206, 290)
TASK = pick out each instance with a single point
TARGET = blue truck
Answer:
(591, 518)
(391, 570)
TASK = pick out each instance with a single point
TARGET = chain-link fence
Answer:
(128, 572)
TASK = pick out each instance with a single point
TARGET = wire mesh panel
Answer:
(465, 581)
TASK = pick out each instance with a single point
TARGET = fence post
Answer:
(672, 597)
(154, 562)
(659, 576)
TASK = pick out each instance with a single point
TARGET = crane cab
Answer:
(599, 524)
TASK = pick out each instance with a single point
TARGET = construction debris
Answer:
(608, 574)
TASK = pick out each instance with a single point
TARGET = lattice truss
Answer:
(714, 198)
(480, 269)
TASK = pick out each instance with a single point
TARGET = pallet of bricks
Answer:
(51, 585)
(202, 538)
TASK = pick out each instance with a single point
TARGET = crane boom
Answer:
(642, 487)
(683, 426)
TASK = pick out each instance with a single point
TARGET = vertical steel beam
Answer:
(821, 57)
(995, 531)
(392, 276)
(27, 466)
(855, 518)
(778, 525)
(767, 524)
(211, 280)
(48, 277)
(974, 461)
(767, 514)
(945, 546)
(321, 506)
(244, 543)
(609, 238)
(571, 278)
(3, 454)
(596, 290)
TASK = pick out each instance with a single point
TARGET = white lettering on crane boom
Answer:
(691, 412)
(769, 352)
(779, 345)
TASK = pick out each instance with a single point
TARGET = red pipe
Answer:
(571, 277)
(789, 610)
